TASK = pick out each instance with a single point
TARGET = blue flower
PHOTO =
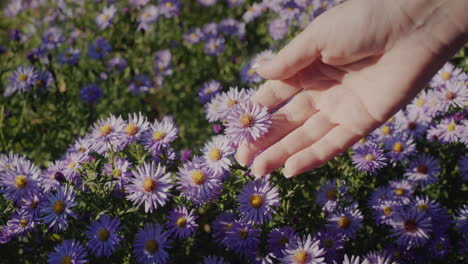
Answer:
(303, 250)
(411, 228)
(69, 251)
(91, 93)
(151, 245)
(181, 222)
(103, 236)
(99, 49)
(57, 208)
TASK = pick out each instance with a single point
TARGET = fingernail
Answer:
(287, 174)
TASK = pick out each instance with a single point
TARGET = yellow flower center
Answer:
(398, 147)
(105, 130)
(256, 201)
(400, 191)
(251, 71)
(446, 76)
(331, 194)
(149, 184)
(344, 222)
(158, 135)
(22, 77)
(362, 140)
(232, 102)
(131, 129)
(214, 154)
(301, 257)
(23, 223)
(81, 150)
(246, 120)
(58, 207)
(192, 36)
(71, 165)
(387, 210)
(243, 234)
(105, 16)
(386, 130)
(103, 234)
(423, 207)
(21, 181)
(198, 177)
(451, 127)
(66, 260)
(168, 4)
(369, 157)
(420, 102)
(152, 246)
(117, 173)
(181, 222)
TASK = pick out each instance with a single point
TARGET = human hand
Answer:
(350, 70)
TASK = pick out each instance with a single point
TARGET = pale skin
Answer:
(349, 71)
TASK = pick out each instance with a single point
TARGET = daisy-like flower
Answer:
(331, 243)
(414, 123)
(439, 246)
(351, 260)
(210, 30)
(262, 57)
(411, 228)
(222, 224)
(151, 244)
(31, 206)
(5, 234)
(450, 130)
(231, 98)
(21, 80)
(102, 235)
(142, 84)
(386, 131)
(214, 46)
(278, 28)
(9, 162)
(208, 90)
(99, 49)
(139, 3)
(207, 2)
(329, 194)
(217, 154)
(169, 8)
(243, 238)
(43, 81)
(378, 258)
(213, 260)
(247, 121)
(104, 19)
(21, 224)
(149, 15)
(53, 176)
(117, 64)
(69, 251)
(160, 135)
(91, 93)
(345, 222)
(400, 147)
(181, 222)
(150, 186)
(119, 171)
(108, 129)
(52, 38)
(461, 220)
(57, 208)
(369, 158)
(440, 219)
(385, 210)
(423, 170)
(257, 200)
(380, 195)
(20, 181)
(135, 127)
(72, 163)
(419, 104)
(214, 110)
(305, 250)
(401, 191)
(162, 63)
(278, 238)
(197, 183)
(453, 93)
(446, 74)
(232, 27)
(249, 75)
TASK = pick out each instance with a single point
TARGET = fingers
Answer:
(299, 53)
(273, 93)
(333, 143)
(302, 137)
(285, 120)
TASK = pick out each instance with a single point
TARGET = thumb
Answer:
(299, 53)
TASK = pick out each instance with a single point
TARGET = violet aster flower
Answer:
(119, 172)
(151, 244)
(197, 183)
(262, 57)
(461, 222)
(414, 123)
(422, 170)
(13, 8)
(440, 219)
(232, 27)
(185, 155)
(117, 64)
(249, 75)
(242, 238)
(463, 167)
(278, 238)
(141, 84)
(44, 81)
(21, 181)
(222, 224)
(213, 260)
(400, 147)
(214, 46)
(102, 235)
(385, 132)
(71, 56)
(159, 135)
(449, 130)
(345, 221)
(257, 200)
(52, 177)
(21, 80)
(210, 31)
(217, 154)
(110, 131)
(303, 250)
(378, 257)
(31, 205)
(331, 243)
(181, 222)
(21, 224)
(91, 93)
(351, 260)
(329, 195)
(227, 100)
(369, 158)
(69, 251)
(136, 126)
(235, 3)
(401, 191)
(247, 121)
(150, 186)
(169, 8)
(411, 228)
(439, 246)
(162, 63)
(380, 195)
(278, 28)
(385, 211)
(149, 15)
(193, 36)
(99, 49)
(52, 38)
(105, 18)
(208, 90)
(57, 208)
(5, 234)
(446, 73)
(139, 3)
(453, 94)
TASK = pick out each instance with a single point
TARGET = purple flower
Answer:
(117, 63)
(193, 36)
(247, 121)
(411, 228)
(150, 186)
(463, 167)
(447, 73)
(53, 176)
(422, 170)
(71, 56)
(181, 222)
(222, 224)
(210, 31)
(185, 155)
(99, 49)
(329, 194)
(378, 257)
(5, 234)
(414, 123)
(197, 183)
(136, 126)
(331, 243)
(232, 27)
(449, 130)
(110, 131)
(52, 38)
(21, 224)
(369, 158)
(207, 2)
(213, 260)
(159, 135)
(91, 93)
(208, 90)
(148, 16)
(44, 81)
(461, 218)
(453, 94)
(104, 19)
(151, 244)
(242, 238)
(214, 46)
(439, 246)
(278, 238)
(351, 260)
(249, 75)
(69, 251)
(401, 191)
(139, 3)
(278, 28)
(57, 208)
(303, 250)
(169, 8)
(400, 147)
(257, 200)
(234, 3)
(119, 172)
(345, 222)
(217, 128)
(162, 63)
(103, 237)
(21, 80)
(141, 84)
(20, 181)
(217, 154)
(385, 211)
